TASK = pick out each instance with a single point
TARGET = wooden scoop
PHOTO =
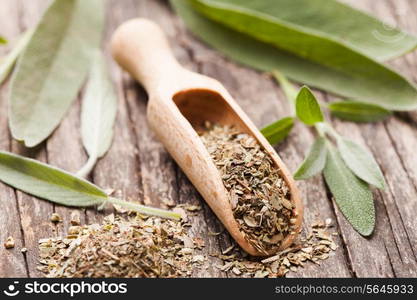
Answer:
(181, 101)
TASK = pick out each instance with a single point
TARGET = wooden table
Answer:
(138, 168)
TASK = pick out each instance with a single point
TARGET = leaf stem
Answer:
(331, 131)
(88, 167)
(151, 211)
(321, 129)
(289, 90)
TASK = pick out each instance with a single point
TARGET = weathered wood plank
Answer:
(12, 261)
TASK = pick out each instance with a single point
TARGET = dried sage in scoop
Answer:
(259, 196)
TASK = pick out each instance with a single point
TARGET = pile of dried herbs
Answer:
(140, 246)
(315, 247)
(135, 247)
(259, 196)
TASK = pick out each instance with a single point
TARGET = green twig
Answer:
(151, 211)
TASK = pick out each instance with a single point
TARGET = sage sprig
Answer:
(50, 183)
(347, 170)
(6, 64)
(264, 35)
(98, 115)
(343, 176)
(53, 67)
(279, 130)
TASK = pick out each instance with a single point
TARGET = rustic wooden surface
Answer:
(138, 168)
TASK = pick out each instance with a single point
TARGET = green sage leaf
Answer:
(3, 41)
(6, 64)
(267, 43)
(314, 162)
(307, 108)
(361, 162)
(53, 67)
(47, 182)
(50, 183)
(279, 130)
(358, 111)
(98, 115)
(352, 195)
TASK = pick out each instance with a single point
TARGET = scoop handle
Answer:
(141, 48)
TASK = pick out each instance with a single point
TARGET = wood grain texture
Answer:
(138, 168)
(12, 262)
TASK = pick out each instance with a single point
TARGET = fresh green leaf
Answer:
(6, 64)
(53, 67)
(361, 162)
(307, 108)
(315, 60)
(358, 111)
(314, 162)
(325, 18)
(47, 182)
(278, 131)
(98, 114)
(58, 186)
(3, 41)
(352, 195)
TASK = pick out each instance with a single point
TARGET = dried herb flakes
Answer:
(135, 247)
(315, 247)
(259, 196)
(9, 244)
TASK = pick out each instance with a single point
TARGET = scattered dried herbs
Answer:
(259, 196)
(7, 64)
(136, 246)
(279, 130)
(315, 247)
(9, 244)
